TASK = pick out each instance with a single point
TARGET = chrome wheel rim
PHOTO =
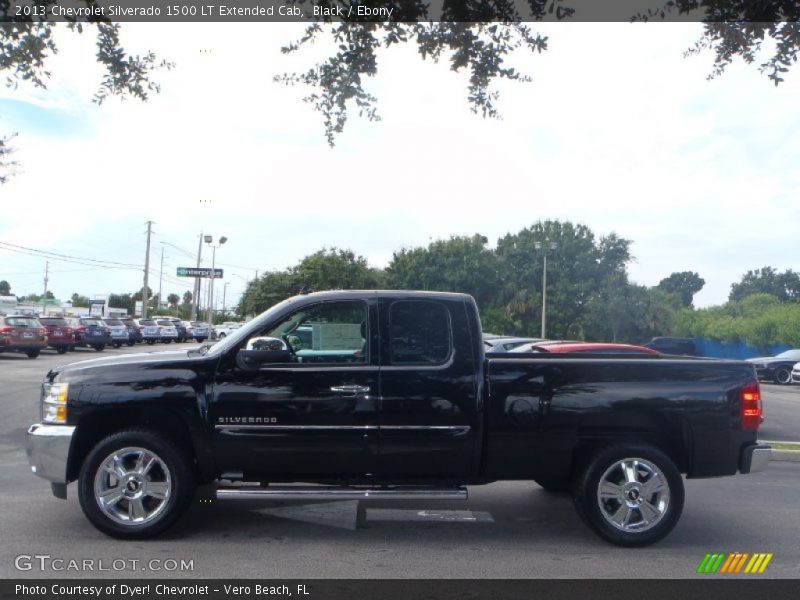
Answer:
(783, 376)
(132, 486)
(633, 495)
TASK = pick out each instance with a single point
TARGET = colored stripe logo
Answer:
(736, 562)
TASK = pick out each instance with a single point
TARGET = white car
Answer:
(220, 331)
(796, 373)
(167, 331)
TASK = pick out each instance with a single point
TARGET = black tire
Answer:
(221, 335)
(150, 342)
(181, 477)
(782, 376)
(99, 347)
(62, 349)
(201, 340)
(117, 345)
(555, 486)
(588, 504)
(33, 354)
(130, 344)
(167, 341)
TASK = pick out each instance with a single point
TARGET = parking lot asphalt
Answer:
(505, 530)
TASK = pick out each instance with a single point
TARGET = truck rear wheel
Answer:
(630, 494)
(134, 484)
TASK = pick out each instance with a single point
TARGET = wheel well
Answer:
(676, 449)
(96, 426)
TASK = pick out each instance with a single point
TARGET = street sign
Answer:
(202, 272)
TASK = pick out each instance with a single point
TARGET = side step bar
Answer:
(340, 493)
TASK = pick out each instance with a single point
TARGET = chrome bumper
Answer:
(755, 458)
(47, 447)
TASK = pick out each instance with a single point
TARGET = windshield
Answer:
(790, 355)
(22, 322)
(53, 321)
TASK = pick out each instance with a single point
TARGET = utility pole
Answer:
(145, 294)
(161, 276)
(197, 281)
(44, 298)
(224, 291)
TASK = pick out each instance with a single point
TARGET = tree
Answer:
(784, 286)
(78, 300)
(474, 36)
(28, 45)
(5, 288)
(684, 285)
(576, 271)
(335, 269)
(459, 264)
(465, 34)
(173, 300)
(121, 301)
(187, 297)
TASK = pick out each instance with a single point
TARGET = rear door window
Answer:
(420, 333)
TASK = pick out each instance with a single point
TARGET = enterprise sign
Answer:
(195, 272)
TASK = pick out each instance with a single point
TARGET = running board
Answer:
(340, 493)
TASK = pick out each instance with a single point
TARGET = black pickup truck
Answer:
(390, 395)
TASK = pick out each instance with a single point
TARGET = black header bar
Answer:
(400, 11)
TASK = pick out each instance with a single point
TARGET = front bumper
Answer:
(754, 458)
(48, 447)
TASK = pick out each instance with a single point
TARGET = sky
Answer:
(618, 131)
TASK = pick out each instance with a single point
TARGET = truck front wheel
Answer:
(630, 494)
(134, 484)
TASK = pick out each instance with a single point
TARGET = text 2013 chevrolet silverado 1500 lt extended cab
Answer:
(390, 395)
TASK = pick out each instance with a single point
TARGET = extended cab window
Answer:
(419, 333)
(331, 332)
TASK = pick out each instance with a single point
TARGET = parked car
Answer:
(134, 330)
(198, 330)
(397, 400)
(167, 331)
(494, 344)
(180, 326)
(119, 332)
(673, 345)
(91, 332)
(225, 329)
(796, 373)
(24, 334)
(59, 334)
(776, 368)
(151, 332)
(584, 348)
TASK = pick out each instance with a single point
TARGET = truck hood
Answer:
(111, 366)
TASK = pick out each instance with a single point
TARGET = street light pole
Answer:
(553, 246)
(209, 240)
(224, 291)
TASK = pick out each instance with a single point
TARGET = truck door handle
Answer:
(352, 390)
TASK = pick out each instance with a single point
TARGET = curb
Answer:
(783, 455)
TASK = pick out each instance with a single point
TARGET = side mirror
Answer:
(264, 350)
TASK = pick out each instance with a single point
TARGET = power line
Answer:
(66, 260)
(47, 252)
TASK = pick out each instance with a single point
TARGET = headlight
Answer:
(54, 402)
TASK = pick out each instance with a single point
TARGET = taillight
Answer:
(6, 330)
(752, 413)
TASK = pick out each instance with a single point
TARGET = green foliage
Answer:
(460, 264)
(172, 300)
(784, 286)
(5, 288)
(328, 269)
(760, 320)
(78, 300)
(576, 271)
(684, 285)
